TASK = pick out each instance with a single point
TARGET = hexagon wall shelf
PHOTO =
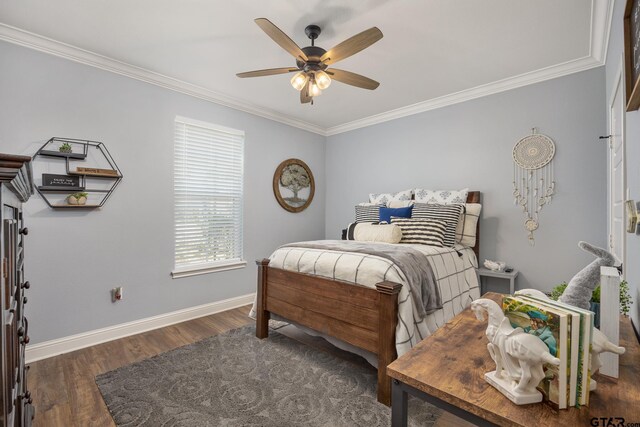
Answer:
(79, 177)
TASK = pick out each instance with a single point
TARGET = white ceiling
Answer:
(432, 50)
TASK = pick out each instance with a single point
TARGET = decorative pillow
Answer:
(363, 232)
(466, 232)
(442, 197)
(368, 212)
(385, 198)
(448, 213)
(422, 231)
(387, 213)
(399, 203)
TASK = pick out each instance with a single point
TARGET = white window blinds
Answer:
(208, 180)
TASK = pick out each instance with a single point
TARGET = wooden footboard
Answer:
(361, 316)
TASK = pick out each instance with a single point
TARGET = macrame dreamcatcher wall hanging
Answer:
(533, 182)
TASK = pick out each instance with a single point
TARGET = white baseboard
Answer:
(63, 345)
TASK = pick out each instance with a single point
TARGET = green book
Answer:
(552, 326)
(584, 352)
(574, 345)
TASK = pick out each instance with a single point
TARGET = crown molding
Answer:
(526, 79)
(63, 50)
(601, 18)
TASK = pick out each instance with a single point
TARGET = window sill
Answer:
(196, 271)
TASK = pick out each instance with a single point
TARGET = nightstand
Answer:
(511, 277)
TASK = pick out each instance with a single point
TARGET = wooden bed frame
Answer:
(362, 316)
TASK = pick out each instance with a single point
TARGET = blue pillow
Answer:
(387, 213)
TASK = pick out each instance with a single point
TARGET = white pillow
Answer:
(399, 203)
(384, 198)
(364, 232)
(442, 197)
(466, 231)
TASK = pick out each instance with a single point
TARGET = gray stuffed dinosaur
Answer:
(581, 286)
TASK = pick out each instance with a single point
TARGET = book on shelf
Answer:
(553, 327)
(96, 171)
(584, 347)
(60, 181)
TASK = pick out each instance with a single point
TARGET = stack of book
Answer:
(567, 331)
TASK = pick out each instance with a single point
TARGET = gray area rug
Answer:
(236, 379)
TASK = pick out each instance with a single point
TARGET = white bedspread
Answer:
(455, 276)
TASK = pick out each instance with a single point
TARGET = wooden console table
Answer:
(447, 369)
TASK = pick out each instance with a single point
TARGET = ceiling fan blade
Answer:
(267, 72)
(352, 45)
(304, 94)
(352, 79)
(281, 38)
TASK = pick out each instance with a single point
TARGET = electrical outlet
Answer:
(116, 294)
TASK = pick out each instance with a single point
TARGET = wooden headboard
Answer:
(474, 197)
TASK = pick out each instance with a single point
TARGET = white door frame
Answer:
(618, 87)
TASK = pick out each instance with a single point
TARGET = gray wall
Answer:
(632, 141)
(469, 145)
(75, 258)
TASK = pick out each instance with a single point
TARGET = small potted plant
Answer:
(77, 198)
(65, 148)
(625, 299)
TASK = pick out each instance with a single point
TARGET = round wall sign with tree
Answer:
(293, 185)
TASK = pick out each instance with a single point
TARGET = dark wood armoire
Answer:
(16, 186)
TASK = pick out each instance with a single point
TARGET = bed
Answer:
(371, 312)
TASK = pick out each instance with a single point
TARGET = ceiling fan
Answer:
(312, 62)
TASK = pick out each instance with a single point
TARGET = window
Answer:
(208, 180)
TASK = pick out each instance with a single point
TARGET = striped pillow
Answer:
(422, 231)
(448, 213)
(367, 212)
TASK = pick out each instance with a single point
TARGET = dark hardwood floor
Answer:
(64, 389)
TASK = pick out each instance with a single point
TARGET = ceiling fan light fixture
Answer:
(314, 90)
(299, 80)
(322, 79)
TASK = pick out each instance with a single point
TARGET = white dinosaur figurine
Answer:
(599, 342)
(519, 356)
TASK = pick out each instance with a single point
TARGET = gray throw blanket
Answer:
(414, 265)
